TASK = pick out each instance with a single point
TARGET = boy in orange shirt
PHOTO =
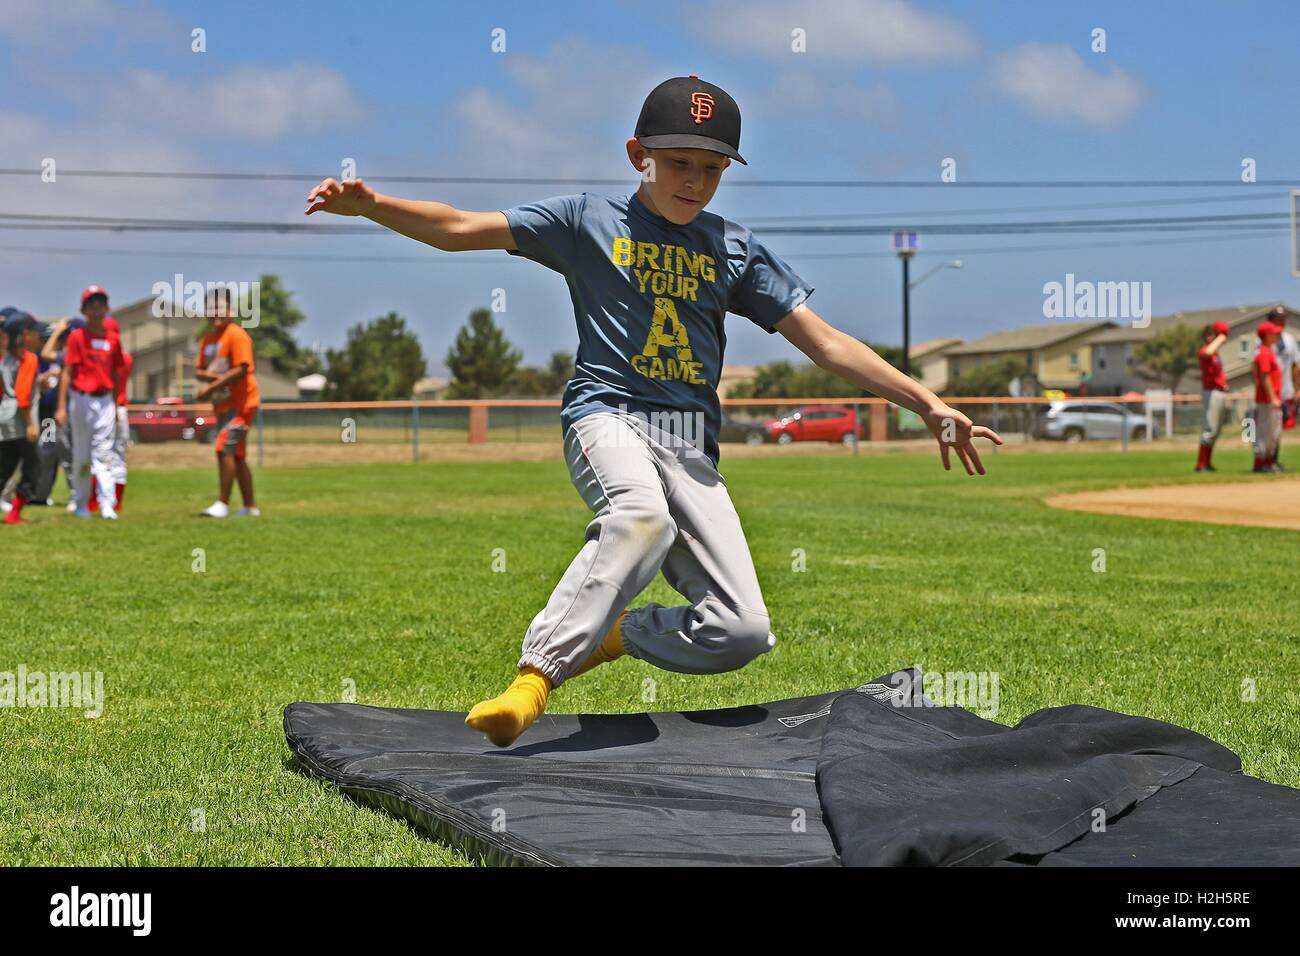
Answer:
(225, 364)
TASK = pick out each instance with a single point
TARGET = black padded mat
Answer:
(875, 775)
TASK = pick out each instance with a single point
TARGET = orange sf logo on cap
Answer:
(701, 106)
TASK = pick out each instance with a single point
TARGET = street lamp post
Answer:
(905, 245)
(907, 299)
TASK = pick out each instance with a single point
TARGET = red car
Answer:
(171, 424)
(816, 423)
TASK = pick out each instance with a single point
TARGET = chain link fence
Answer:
(426, 426)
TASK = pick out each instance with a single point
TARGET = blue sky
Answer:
(885, 91)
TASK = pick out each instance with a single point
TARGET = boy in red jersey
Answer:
(1268, 399)
(93, 366)
(1214, 391)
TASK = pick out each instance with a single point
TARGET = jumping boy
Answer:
(651, 277)
(225, 365)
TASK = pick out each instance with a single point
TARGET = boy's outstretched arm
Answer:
(855, 362)
(437, 224)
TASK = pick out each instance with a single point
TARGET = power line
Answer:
(1042, 225)
(623, 181)
(1000, 250)
(472, 258)
(41, 221)
(999, 210)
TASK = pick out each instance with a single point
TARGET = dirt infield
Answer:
(1264, 503)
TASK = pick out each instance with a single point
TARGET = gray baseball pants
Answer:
(1213, 405)
(659, 505)
(1268, 430)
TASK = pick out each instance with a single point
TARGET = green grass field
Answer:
(382, 575)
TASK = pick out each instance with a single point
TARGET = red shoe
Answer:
(15, 515)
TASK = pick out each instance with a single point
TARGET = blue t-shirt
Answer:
(650, 297)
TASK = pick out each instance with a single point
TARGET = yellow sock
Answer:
(505, 717)
(611, 648)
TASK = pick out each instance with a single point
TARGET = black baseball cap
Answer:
(18, 322)
(688, 113)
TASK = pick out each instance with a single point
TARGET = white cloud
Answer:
(62, 25)
(881, 31)
(800, 93)
(81, 146)
(568, 115)
(248, 102)
(1052, 80)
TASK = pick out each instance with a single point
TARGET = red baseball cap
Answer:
(1268, 328)
(93, 290)
(1221, 328)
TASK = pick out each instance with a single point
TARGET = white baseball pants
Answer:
(92, 419)
(121, 436)
(659, 505)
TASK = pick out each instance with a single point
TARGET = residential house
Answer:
(929, 361)
(1058, 354)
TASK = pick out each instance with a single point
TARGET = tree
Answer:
(1169, 356)
(381, 361)
(532, 382)
(558, 371)
(784, 379)
(482, 360)
(526, 382)
(990, 379)
(273, 336)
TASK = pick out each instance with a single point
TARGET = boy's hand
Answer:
(352, 197)
(954, 430)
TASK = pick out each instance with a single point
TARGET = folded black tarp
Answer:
(1076, 785)
(874, 775)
